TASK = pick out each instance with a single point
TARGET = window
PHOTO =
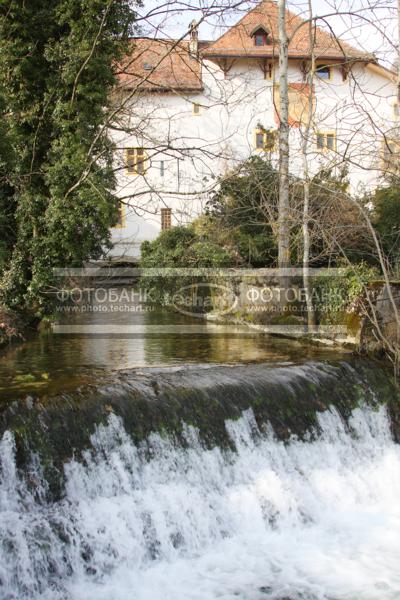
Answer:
(260, 140)
(261, 37)
(266, 140)
(162, 168)
(166, 214)
(135, 161)
(326, 140)
(396, 110)
(324, 71)
(196, 108)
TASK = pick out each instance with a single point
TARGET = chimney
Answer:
(194, 39)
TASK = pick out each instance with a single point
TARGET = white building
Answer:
(191, 111)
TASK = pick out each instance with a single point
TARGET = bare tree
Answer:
(311, 320)
(398, 51)
(283, 218)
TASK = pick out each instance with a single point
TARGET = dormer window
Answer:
(261, 37)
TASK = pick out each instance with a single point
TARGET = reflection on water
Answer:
(53, 362)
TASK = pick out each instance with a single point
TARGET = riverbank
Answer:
(365, 321)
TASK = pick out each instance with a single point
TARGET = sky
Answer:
(370, 25)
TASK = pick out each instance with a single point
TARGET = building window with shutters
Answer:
(135, 161)
(266, 140)
(326, 140)
(166, 218)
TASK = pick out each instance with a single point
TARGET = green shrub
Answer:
(183, 247)
(333, 296)
(386, 216)
(179, 247)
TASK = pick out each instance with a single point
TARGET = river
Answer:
(180, 460)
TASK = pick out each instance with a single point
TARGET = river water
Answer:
(310, 517)
(101, 342)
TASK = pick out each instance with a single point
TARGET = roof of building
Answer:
(238, 40)
(160, 65)
(167, 65)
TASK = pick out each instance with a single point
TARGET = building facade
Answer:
(191, 111)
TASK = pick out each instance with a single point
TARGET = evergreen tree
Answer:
(7, 200)
(58, 63)
(386, 217)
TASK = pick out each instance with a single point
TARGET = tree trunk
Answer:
(283, 216)
(311, 322)
(398, 51)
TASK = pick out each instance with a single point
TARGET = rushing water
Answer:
(316, 519)
(228, 511)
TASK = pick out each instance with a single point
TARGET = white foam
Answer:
(311, 520)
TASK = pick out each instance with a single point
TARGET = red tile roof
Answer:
(160, 65)
(166, 65)
(238, 40)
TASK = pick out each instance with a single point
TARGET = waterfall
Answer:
(316, 518)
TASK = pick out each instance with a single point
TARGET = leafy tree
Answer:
(243, 215)
(57, 69)
(336, 228)
(7, 201)
(386, 203)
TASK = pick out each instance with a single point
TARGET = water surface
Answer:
(112, 340)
